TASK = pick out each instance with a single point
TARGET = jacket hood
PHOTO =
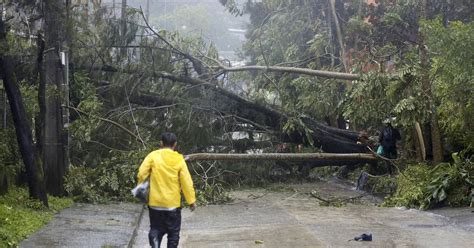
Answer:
(170, 157)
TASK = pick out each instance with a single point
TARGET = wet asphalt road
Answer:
(293, 218)
(282, 216)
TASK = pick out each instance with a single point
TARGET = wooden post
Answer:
(420, 140)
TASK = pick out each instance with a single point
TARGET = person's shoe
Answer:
(364, 237)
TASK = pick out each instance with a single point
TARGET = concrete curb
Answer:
(137, 226)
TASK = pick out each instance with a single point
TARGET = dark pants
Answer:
(164, 222)
(390, 152)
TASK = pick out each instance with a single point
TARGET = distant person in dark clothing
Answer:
(388, 139)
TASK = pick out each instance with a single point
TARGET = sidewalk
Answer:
(88, 225)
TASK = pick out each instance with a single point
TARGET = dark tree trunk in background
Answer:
(53, 143)
(41, 96)
(437, 147)
(22, 126)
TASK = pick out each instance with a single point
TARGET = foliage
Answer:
(111, 180)
(113, 63)
(9, 158)
(207, 182)
(452, 63)
(293, 33)
(20, 216)
(423, 187)
(214, 180)
(385, 185)
(212, 193)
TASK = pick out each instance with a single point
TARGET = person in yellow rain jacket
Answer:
(169, 176)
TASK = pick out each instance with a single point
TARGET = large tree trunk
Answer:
(41, 96)
(437, 147)
(438, 151)
(281, 156)
(22, 126)
(304, 71)
(53, 145)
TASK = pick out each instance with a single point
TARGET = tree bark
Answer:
(53, 145)
(304, 71)
(22, 126)
(419, 143)
(280, 156)
(437, 147)
(438, 151)
(41, 96)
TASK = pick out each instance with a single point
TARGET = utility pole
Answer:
(147, 14)
(65, 109)
(113, 7)
(123, 16)
(53, 153)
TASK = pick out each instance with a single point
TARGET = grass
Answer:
(21, 216)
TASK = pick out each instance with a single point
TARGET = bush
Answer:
(20, 216)
(423, 187)
(111, 180)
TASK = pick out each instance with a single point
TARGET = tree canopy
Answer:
(100, 84)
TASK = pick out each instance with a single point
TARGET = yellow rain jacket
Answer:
(169, 176)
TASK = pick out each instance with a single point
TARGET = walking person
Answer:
(169, 176)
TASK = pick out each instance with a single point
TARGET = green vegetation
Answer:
(20, 216)
(128, 84)
(421, 186)
(111, 180)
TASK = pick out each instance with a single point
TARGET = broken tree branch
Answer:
(280, 156)
(296, 70)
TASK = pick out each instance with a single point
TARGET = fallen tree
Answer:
(307, 131)
(312, 132)
(281, 156)
(310, 160)
(296, 70)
